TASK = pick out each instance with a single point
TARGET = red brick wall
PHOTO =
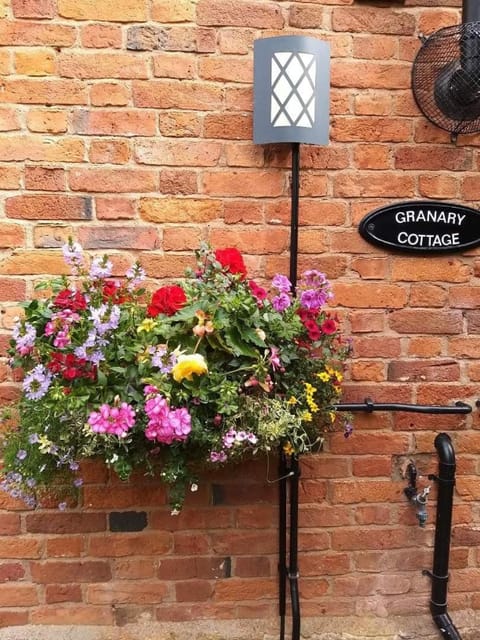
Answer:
(128, 125)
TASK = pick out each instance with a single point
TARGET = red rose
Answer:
(231, 260)
(167, 300)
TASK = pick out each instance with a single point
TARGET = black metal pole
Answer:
(470, 11)
(282, 543)
(443, 529)
(288, 465)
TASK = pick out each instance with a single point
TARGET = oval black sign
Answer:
(423, 226)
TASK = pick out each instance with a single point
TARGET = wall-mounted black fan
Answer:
(446, 74)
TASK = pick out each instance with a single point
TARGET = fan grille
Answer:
(446, 78)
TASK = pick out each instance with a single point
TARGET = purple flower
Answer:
(105, 318)
(73, 466)
(21, 454)
(314, 278)
(135, 275)
(313, 298)
(33, 438)
(37, 382)
(218, 456)
(281, 302)
(282, 283)
(72, 254)
(100, 268)
(62, 506)
(24, 336)
(77, 482)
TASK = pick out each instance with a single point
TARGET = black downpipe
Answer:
(293, 557)
(443, 530)
(282, 543)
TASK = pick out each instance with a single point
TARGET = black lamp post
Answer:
(291, 105)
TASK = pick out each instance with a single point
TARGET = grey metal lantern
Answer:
(291, 90)
(291, 105)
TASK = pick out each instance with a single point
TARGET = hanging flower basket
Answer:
(213, 370)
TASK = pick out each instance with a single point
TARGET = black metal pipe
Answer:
(293, 554)
(443, 529)
(470, 11)
(282, 543)
(295, 193)
(369, 406)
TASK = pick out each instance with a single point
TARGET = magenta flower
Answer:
(116, 420)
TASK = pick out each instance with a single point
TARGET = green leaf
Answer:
(238, 346)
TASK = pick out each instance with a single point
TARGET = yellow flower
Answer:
(306, 416)
(331, 415)
(288, 450)
(187, 365)
(147, 325)
(292, 400)
(324, 376)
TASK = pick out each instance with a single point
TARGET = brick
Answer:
(182, 239)
(361, 538)
(367, 321)
(175, 66)
(179, 209)
(62, 593)
(107, 10)
(242, 13)
(228, 126)
(109, 94)
(98, 237)
(9, 120)
(425, 347)
(100, 36)
(179, 153)
(126, 592)
(64, 571)
(370, 268)
(122, 122)
(370, 129)
(469, 188)
(198, 39)
(368, 371)
(413, 157)
(251, 241)
(19, 595)
(429, 21)
(372, 156)
(180, 124)
(10, 177)
(113, 180)
(65, 546)
(102, 65)
(12, 289)
(109, 152)
(370, 295)
(372, 20)
(114, 208)
(134, 568)
(226, 69)
(44, 91)
(430, 370)
(371, 75)
(72, 615)
(44, 179)
(166, 11)
(32, 263)
(365, 184)
(421, 269)
(33, 8)
(9, 524)
(11, 571)
(123, 496)
(32, 34)
(193, 590)
(49, 207)
(47, 121)
(171, 94)
(21, 547)
(434, 186)
(374, 47)
(178, 182)
(34, 63)
(16, 148)
(428, 295)
(61, 523)
(306, 16)
(236, 41)
(146, 38)
(426, 321)
(376, 103)
(261, 184)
